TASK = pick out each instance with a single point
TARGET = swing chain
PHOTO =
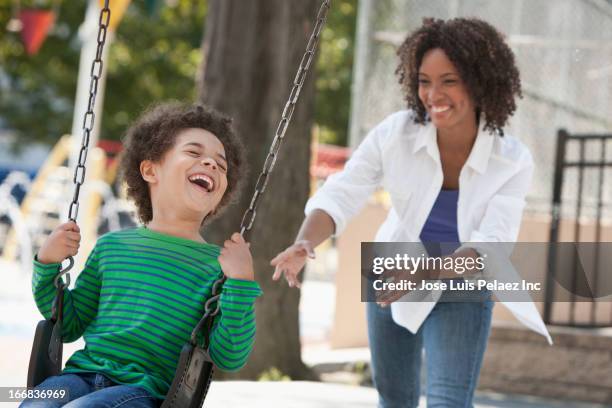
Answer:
(88, 124)
(249, 216)
(211, 307)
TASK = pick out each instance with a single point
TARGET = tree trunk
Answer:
(252, 50)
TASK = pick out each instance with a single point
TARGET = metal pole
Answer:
(88, 34)
(555, 222)
(362, 47)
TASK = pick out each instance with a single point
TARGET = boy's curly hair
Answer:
(155, 132)
(480, 55)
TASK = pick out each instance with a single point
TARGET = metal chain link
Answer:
(88, 124)
(211, 308)
(260, 186)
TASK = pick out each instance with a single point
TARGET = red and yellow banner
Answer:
(35, 27)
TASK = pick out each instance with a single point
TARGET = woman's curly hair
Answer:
(481, 56)
(154, 133)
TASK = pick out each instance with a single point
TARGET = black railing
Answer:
(562, 309)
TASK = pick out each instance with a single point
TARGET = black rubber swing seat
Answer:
(192, 379)
(47, 348)
(46, 357)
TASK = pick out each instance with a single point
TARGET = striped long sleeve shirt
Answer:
(136, 302)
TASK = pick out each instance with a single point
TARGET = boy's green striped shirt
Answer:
(136, 302)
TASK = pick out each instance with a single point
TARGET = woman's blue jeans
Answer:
(91, 390)
(454, 336)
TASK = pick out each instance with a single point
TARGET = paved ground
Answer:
(297, 394)
(18, 317)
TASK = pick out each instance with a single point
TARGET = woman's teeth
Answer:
(438, 109)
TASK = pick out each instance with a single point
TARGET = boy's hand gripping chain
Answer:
(46, 355)
(195, 368)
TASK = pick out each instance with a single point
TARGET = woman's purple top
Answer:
(439, 234)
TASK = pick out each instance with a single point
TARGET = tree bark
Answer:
(252, 50)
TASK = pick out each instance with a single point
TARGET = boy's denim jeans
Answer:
(91, 390)
(454, 336)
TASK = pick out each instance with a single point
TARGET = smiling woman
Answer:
(446, 150)
(474, 55)
(444, 94)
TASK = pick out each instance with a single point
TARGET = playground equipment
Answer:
(10, 208)
(42, 206)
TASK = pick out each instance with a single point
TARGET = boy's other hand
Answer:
(235, 258)
(63, 242)
(291, 261)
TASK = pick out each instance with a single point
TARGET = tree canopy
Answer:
(152, 58)
(335, 72)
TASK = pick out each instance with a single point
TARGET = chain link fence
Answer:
(564, 52)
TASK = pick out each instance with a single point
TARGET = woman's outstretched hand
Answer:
(291, 261)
